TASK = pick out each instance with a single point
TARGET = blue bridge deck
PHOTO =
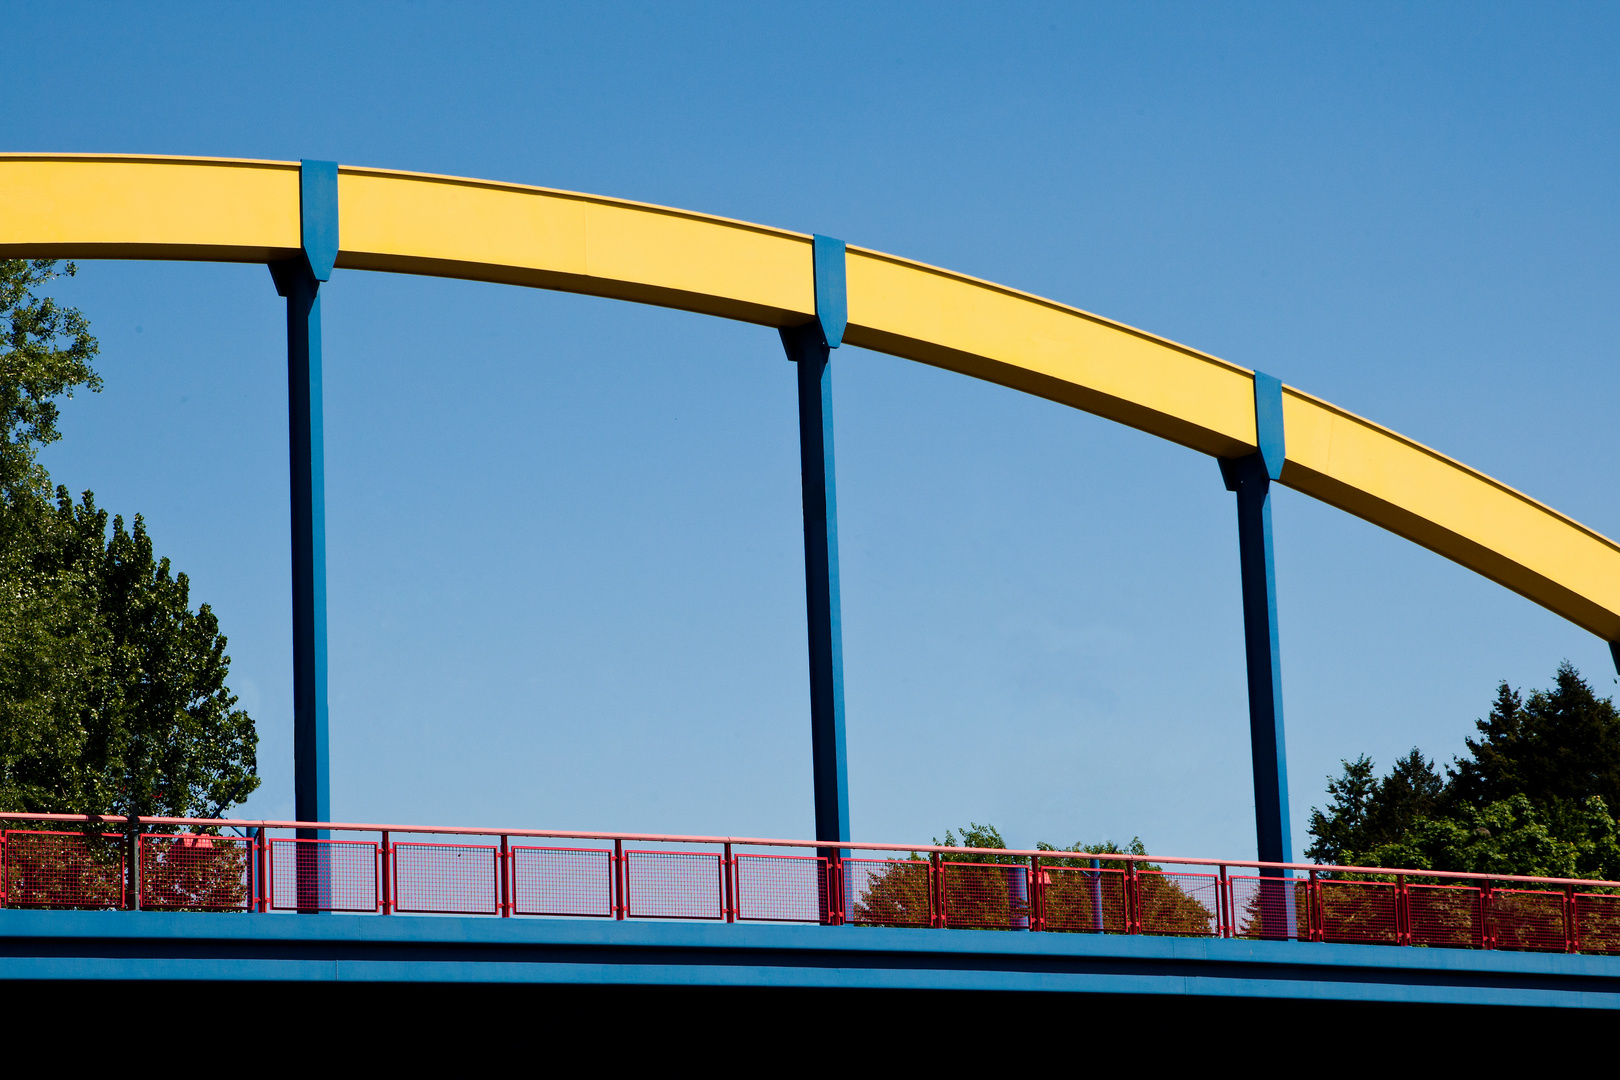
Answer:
(117, 946)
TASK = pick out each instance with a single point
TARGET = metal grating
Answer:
(1446, 916)
(562, 881)
(1183, 905)
(888, 892)
(190, 872)
(1597, 922)
(781, 888)
(1526, 920)
(1270, 908)
(64, 870)
(323, 875)
(986, 896)
(1362, 912)
(672, 885)
(1083, 901)
(445, 879)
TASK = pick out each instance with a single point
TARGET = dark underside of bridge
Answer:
(871, 978)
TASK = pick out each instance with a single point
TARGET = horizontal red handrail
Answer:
(760, 841)
(1030, 890)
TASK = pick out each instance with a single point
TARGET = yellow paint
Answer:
(1022, 341)
(1423, 495)
(452, 227)
(247, 211)
(147, 208)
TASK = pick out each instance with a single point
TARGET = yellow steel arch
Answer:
(102, 206)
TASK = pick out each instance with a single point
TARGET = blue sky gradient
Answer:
(564, 547)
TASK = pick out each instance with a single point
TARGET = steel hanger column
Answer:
(299, 280)
(810, 346)
(1250, 477)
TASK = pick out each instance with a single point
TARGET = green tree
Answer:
(113, 697)
(977, 836)
(1365, 811)
(1557, 747)
(45, 354)
(988, 889)
(1089, 893)
(1532, 796)
(1508, 837)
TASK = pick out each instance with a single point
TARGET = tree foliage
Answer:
(1558, 747)
(988, 889)
(976, 836)
(1367, 811)
(45, 354)
(113, 697)
(1532, 796)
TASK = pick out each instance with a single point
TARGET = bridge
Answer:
(304, 220)
(83, 902)
(546, 909)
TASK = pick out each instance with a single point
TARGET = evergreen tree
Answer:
(1532, 796)
(1365, 812)
(1558, 747)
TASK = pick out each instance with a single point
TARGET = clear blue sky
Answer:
(564, 547)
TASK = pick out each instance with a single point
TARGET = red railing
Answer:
(73, 861)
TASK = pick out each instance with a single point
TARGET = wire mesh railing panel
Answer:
(189, 872)
(64, 870)
(1597, 922)
(1084, 901)
(1176, 904)
(323, 875)
(1050, 890)
(781, 888)
(1271, 909)
(1363, 912)
(888, 892)
(445, 879)
(672, 885)
(1532, 921)
(1445, 916)
(986, 896)
(562, 881)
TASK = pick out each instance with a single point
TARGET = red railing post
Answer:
(252, 867)
(132, 880)
(728, 893)
(620, 903)
(1403, 911)
(1487, 918)
(1037, 895)
(1133, 900)
(385, 854)
(834, 905)
(1572, 922)
(1223, 904)
(506, 878)
(936, 891)
(1314, 915)
(263, 854)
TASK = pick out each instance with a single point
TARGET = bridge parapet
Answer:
(181, 864)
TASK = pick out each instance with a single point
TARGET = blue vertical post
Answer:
(1250, 477)
(810, 346)
(299, 280)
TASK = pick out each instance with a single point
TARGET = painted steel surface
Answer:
(102, 206)
(928, 924)
(130, 947)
